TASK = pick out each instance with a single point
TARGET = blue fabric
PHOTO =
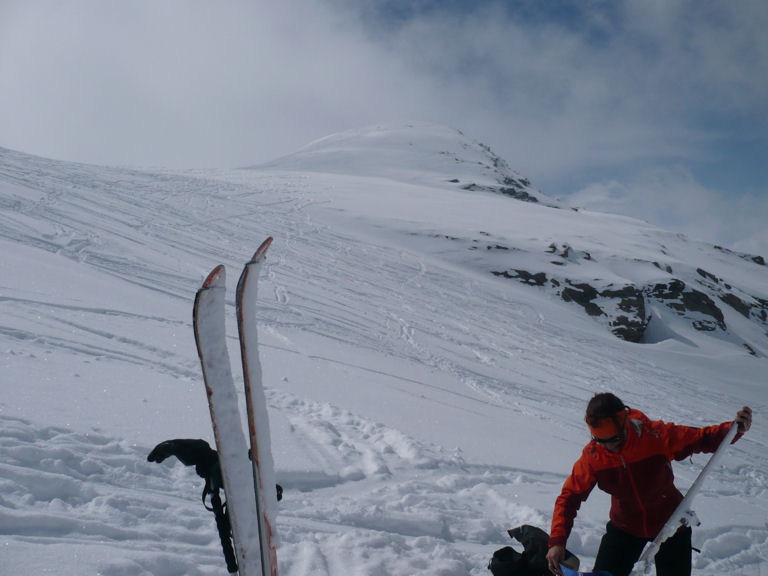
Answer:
(570, 572)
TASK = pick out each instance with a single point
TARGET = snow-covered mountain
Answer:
(416, 152)
(634, 278)
(432, 328)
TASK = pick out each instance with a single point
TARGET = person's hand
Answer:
(555, 556)
(744, 419)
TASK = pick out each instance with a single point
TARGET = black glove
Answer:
(197, 453)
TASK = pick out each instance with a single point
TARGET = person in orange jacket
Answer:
(630, 457)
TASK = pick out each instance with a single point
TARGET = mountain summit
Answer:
(416, 153)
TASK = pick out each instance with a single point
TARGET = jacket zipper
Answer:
(637, 496)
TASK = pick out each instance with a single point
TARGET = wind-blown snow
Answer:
(419, 405)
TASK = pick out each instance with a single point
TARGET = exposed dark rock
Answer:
(696, 301)
(671, 293)
(628, 329)
(625, 308)
(567, 252)
(704, 325)
(762, 313)
(631, 300)
(736, 303)
(677, 296)
(749, 257)
(517, 193)
(508, 184)
(582, 294)
(708, 275)
(515, 182)
(537, 279)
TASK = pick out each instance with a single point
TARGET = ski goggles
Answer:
(608, 430)
(610, 440)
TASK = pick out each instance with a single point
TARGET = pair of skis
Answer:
(249, 486)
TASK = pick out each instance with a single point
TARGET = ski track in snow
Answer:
(370, 489)
(88, 491)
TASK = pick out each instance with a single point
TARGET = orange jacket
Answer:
(639, 478)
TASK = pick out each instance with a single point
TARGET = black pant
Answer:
(619, 551)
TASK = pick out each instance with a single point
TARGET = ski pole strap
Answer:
(225, 533)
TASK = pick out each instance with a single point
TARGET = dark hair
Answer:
(603, 405)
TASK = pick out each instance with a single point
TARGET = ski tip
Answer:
(217, 277)
(261, 251)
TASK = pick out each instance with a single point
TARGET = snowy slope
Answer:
(420, 404)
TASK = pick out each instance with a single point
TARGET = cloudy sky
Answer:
(653, 108)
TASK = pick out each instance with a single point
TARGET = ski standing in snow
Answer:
(630, 457)
(246, 522)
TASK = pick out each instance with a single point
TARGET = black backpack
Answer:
(531, 562)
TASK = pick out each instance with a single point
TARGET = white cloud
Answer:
(672, 199)
(185, 83)
(626, 86)
(194, 82)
